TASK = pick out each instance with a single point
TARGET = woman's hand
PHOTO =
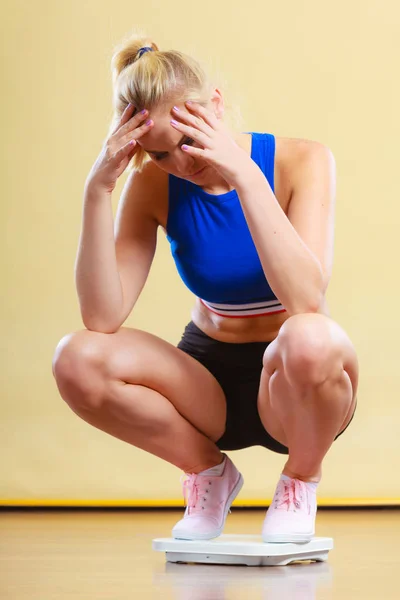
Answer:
(216, 146)
(118, 150)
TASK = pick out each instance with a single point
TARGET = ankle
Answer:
(307, 477)
(205, 465)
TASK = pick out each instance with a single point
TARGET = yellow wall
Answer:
(312, 69)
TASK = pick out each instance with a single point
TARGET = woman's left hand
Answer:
(217, 147)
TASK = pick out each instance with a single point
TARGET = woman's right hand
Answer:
(118, 150)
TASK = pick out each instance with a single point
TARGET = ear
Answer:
(217, 103)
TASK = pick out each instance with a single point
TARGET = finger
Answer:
(124, 151)
(192, 120)
(133, 122)
(193, 151)
(126, 115)
(138, 132)
(134, 147)
(204, 113)
(193, 133)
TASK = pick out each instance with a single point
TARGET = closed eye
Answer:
(188, 141)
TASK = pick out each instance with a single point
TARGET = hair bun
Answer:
(126, 53)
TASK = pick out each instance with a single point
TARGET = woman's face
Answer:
(163, 145)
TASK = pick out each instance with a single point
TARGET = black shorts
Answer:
(237, 368)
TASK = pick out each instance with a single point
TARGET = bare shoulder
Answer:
(147, 190)
(297, 162)
(293, 154)
(292, 150)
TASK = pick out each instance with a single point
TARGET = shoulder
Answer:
(149, 178)
(294, 150)
(148, 188)
(298, 159)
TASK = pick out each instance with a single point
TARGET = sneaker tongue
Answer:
(190, 491)
(194, 488)
(290, 494)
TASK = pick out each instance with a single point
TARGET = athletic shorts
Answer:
(237, 368)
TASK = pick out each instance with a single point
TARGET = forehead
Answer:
(162, 135)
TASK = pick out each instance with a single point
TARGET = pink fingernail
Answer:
(149, 122)
(174, 122)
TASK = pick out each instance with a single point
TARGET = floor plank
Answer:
(105, 555)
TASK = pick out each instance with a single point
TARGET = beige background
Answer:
(312, 69)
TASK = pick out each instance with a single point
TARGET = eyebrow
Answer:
(164, 151)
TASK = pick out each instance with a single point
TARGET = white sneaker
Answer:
(291, 516)
(209, 499)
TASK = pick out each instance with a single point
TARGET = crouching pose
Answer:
(250, 219)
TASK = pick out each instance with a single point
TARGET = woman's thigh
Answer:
(135, 357)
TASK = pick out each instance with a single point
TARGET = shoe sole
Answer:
(285, 538)
(207, 536)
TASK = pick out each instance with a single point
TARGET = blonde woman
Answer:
(250, 220)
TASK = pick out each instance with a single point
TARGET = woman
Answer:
(250, 222)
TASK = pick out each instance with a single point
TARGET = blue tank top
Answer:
(212, 246)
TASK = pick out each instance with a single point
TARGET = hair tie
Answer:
(141, 51)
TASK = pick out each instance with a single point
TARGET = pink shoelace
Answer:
(194, 489)
(291, 494)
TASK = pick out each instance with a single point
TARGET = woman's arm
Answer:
(112, 266)
(296, 251)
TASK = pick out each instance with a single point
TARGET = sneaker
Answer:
(208, 500)
(291, 516)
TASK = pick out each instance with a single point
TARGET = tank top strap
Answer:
(263, 153)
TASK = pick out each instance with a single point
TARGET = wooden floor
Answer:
(108, 555)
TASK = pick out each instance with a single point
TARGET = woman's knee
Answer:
(309, 349)
(78, 367)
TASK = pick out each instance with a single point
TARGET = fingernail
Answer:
(176, 108)
(174, 122)
(149, 122)
(143, 112)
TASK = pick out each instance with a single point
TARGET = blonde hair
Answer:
(149, 79)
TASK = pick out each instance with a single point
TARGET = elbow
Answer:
(98, 325)
(101, 329)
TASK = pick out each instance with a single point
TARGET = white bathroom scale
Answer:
(247, 550)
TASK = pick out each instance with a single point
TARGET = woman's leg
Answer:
(144, 391)
(308, 390)
(307, 397)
